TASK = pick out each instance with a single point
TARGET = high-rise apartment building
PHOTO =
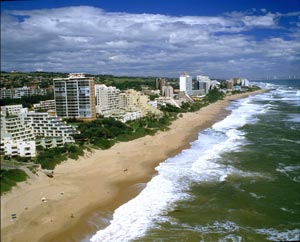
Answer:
(167, 91)
(160, 83)
(185, 83)
(107, 100)
(204, 83)
(229, 84)
(75, 97)
(245, 83)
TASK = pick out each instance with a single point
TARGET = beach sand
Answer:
(97, 183)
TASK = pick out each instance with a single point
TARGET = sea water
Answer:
(239, 181)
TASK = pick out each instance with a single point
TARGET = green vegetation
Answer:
(20, 79)
(26, 101)
(9, 178)
(125, 82)
(105, 132)
(213, 96)
(49, 158)
(249, 89)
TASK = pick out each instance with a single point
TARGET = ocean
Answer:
(239, 181)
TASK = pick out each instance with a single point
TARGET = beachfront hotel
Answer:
(44, 125)
(132, 100)
(22, 131)
(185, 83)
(107, 100)
(203, 83)
(75, 97)
(17, 137)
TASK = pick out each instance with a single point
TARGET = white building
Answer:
(44, 125)
(245, 83)
(21, 92)
(128, 116)
(6, 93)
(203, 78)
(185, 83)
(20, 133)
(215, 84)
(204, 83)
(17, 137)
(44, 105)
(19, 148)
(13, 110)
(107, 99)
(14, 128)
(162, 101)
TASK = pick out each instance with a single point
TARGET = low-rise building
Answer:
(19, 148)
(21, 92)
(162, 101)
(20, 133)
(44, 106)
(12, 110)
(128, 116)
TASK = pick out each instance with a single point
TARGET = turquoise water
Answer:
(240, 181)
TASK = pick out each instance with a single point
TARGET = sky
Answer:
(222, 39)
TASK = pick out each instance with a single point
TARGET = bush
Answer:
(9, 178)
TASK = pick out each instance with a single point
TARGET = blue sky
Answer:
(222, 39)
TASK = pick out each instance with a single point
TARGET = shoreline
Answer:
(100, 181)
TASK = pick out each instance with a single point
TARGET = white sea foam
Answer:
(293, 117)
(197, 164)
(291, 172)
(231, 238)
(275, 235)
(255, 195)
(287, 210)
(216, 227)
(284, 169)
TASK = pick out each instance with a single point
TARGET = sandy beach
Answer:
(98, 182)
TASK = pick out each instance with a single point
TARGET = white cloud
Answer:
(267, 20)
(91, 40)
